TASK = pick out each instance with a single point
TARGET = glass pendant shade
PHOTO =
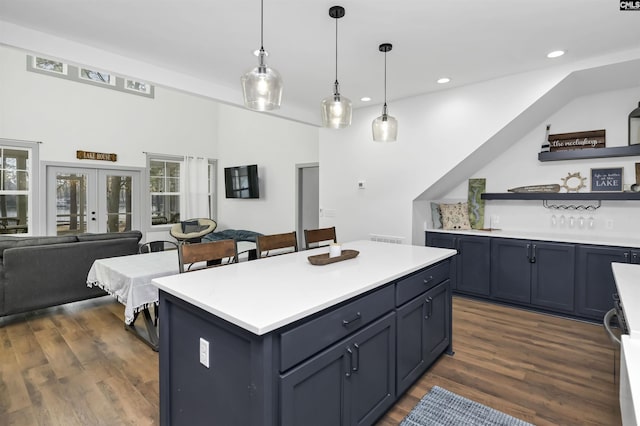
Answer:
(385, 127)
(336, 110)
(262, 87)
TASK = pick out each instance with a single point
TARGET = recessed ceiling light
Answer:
(444, 80)
(555, 54)
(365, 99)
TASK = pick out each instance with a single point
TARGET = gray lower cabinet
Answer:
(596, 284)
(533, 272)
(351, 383)
(471, 266)
(337, 367)
(424, 326)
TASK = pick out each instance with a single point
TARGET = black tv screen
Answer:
(241, 182)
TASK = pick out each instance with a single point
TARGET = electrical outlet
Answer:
(204, 352)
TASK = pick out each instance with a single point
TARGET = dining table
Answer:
(128, 279)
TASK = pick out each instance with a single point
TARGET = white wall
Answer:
(519, 166)
(437, 132)
(68, 116)
(276, 146)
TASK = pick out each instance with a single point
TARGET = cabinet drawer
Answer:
(421, 281)
(309, 338)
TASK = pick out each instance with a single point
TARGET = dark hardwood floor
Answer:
(76, 365)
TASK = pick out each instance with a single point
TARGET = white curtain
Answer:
(196, 187)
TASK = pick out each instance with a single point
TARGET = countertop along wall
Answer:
(614, 221)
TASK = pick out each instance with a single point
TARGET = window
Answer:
(16, 185)
(164, 181)
(167, 189)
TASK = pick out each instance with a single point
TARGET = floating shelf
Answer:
(564, 196)
(581, 154)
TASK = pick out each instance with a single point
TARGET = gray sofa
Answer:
(38, 272)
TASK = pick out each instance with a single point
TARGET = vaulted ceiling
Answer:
(466, 40)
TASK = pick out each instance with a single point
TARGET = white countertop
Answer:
(586, 237)
(265, 294)
(630, 381)
(627, 276)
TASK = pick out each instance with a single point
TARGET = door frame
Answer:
(43, 196)
(298, 199)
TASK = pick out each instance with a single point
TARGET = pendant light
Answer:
(262, 86)
(336, 109)
(385, 127)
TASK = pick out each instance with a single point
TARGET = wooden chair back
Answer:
(266, 243)
(212, 252)
(312, 236)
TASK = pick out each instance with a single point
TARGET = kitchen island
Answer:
(279, 341)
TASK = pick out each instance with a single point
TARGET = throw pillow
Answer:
(189, 226)
(455, 216)
(436, 219)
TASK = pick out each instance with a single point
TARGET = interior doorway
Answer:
(83, 199)
(308, 199)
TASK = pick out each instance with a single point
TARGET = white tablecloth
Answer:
(128, 278)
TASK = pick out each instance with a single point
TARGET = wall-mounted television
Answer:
(241, 182)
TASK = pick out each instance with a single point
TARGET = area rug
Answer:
(443, 408)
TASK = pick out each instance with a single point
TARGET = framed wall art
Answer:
(607, 180)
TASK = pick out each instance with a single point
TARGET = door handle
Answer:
(349, 362)
(356, 365)
(533, 256)
(529, 252)
(428, 301)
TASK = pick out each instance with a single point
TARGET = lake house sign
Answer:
(88, 155)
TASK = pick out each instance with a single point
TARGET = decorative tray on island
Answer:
(324, 259)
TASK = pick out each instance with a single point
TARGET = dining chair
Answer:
(312, 236)
(155, 246)
(214, 253)
(278, 242)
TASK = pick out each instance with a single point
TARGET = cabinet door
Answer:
(595, 282)
(473, 272)
(373, 375)
(511, 269)
(442, 240)
(424, 332)
(553, 278)
(353, 382)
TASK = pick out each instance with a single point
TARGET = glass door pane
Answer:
(118, 194)
(71, 203)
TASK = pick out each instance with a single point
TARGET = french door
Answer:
(83, 200)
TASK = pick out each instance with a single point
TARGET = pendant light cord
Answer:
(385, 78)
(261, 24)
(336, 50)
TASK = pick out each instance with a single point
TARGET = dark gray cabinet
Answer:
(471, 266)
(351, 383)
(337, 367)
(533, 272)
(596, 284)
(424, 325)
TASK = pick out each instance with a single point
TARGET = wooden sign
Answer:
(577, 140)
(606, 180)
(88, 155)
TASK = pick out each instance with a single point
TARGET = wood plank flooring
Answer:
(76, 365)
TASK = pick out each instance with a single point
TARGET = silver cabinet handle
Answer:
(345, 323)
(349, 362)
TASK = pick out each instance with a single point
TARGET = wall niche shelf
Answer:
(581, 154)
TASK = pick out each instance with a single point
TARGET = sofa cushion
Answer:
(110, 236)
(10, 242)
